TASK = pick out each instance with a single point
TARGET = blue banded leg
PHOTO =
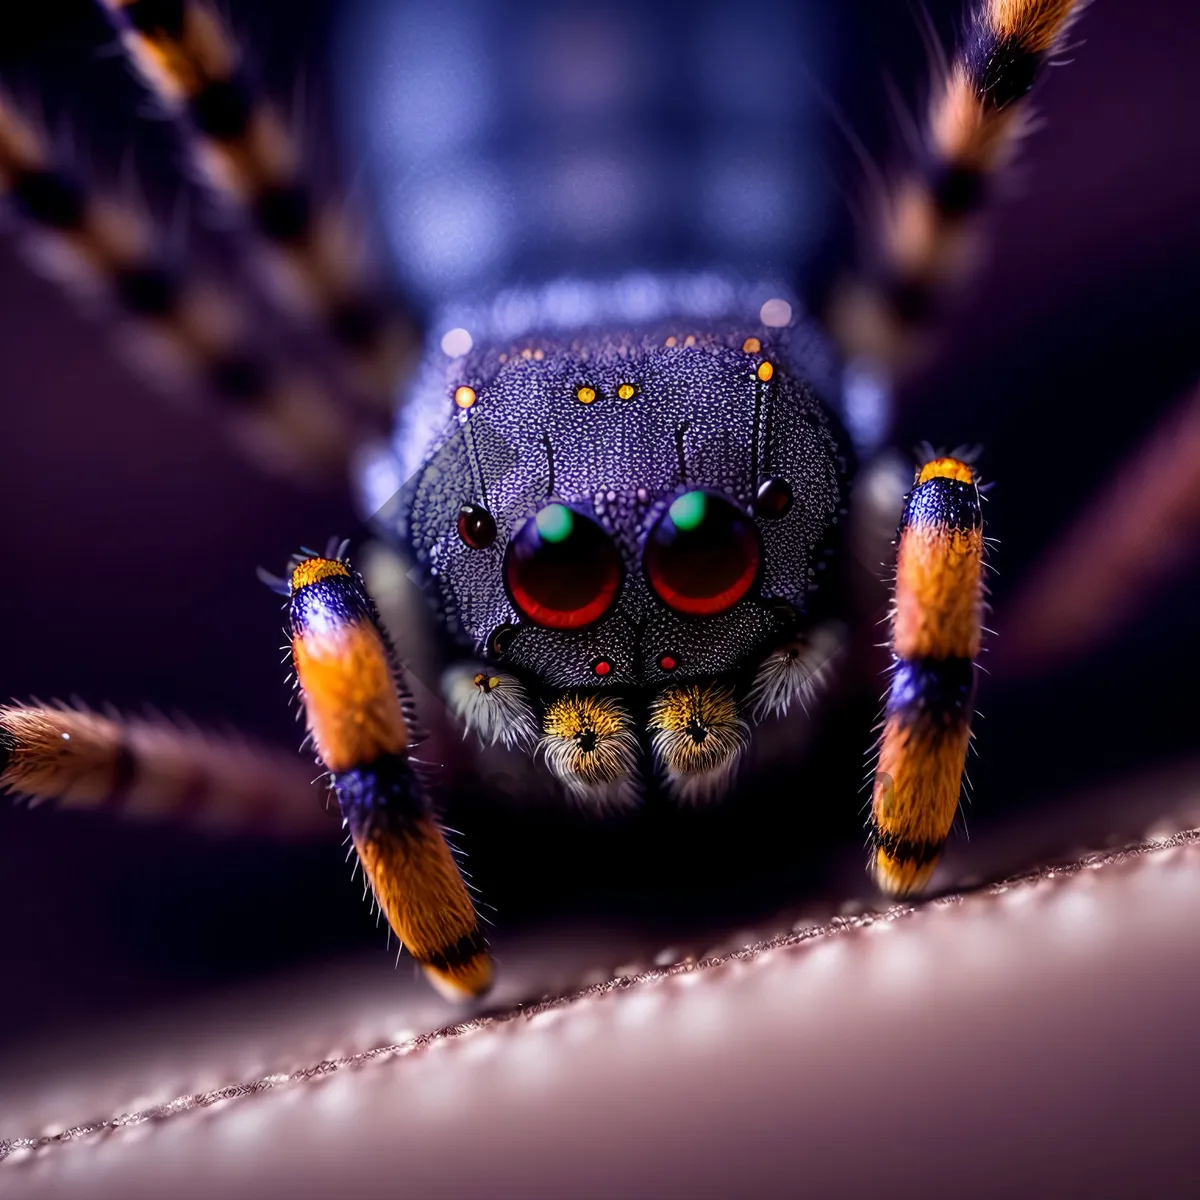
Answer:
(936, 626)
(362, 727)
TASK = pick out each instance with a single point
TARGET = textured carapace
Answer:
(607, 461)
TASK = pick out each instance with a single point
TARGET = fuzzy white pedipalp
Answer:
(491, 704)
(795, 671)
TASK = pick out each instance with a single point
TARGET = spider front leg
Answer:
(362, 726)
(936, 624)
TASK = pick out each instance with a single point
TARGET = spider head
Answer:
(623, 513)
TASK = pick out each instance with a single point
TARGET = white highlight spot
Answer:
(456, 343)
(378, 476)
(868, 403)
(884, 484)
(775, 313)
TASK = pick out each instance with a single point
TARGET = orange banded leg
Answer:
(189, 59)
(362, 727)
(198, 332)
(149, 770)
(978, 113)
(936, 625)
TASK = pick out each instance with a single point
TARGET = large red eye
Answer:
(561, 569)
(702, 556)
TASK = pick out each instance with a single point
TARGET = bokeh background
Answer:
(130, 532)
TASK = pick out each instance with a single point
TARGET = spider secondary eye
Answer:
(773, 499)
(476, 526)
(561, 569)
(702, 555)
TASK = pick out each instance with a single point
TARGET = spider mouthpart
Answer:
(590, 744)
(698, 736)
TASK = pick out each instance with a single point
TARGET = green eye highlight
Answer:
(555, 523)
(688, 511)
(562, 571)
(702, 555)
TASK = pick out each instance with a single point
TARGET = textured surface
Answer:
(1034, 1035)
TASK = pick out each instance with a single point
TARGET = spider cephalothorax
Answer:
(627, 512)
(623, 500)
(655, 497)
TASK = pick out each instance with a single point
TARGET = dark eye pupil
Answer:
(773, 499)
(702, 556)
(476, 526)
(561, 569)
